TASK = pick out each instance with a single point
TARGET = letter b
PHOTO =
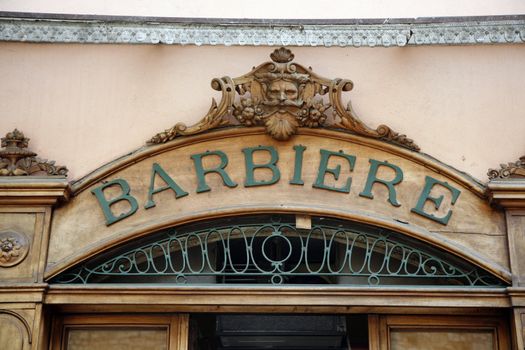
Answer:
(106, 204)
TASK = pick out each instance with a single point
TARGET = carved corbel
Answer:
(283, 96)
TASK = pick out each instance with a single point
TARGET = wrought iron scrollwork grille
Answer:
(266, 250)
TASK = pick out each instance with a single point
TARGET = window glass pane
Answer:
(129, 338)
(442, 340)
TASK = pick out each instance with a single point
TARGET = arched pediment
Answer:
(238, 171)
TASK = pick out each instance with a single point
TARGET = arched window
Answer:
(270, 250)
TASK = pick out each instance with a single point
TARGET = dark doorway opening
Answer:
(282, 332)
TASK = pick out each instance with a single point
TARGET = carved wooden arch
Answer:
(74, 212)
(150, 150)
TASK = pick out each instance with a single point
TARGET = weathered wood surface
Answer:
(284, 299)
(170, 331)
(496, 327)
(475, 230)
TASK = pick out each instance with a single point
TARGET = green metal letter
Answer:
(430, 182)
(250, 166)
(298, 166)
(372, 178)
(323, 170)
(157, 169)
(201, 172)
(106, 204)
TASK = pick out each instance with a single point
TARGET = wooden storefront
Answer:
(280, 202)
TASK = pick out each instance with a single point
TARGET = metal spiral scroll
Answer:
(239, 253)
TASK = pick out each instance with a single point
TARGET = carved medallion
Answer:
(16, 159)
(509, 170)
(283, 96)
(14, 247)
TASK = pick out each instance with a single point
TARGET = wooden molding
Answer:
(517, 296)
(33, 190)
(22, 293)
(238, 298)
(509, 194)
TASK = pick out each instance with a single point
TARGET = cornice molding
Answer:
(35, 190)
(314, 297)
(508, 194)
(49, 28)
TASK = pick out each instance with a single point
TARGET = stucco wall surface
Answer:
(85, 105)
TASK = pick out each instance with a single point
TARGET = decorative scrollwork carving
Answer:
(14, 247)
(283, 96)
(16, 160)
(509, 170)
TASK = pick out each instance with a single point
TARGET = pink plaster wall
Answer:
(85, 105)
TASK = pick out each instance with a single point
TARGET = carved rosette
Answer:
(509, 170)
(17, 160)
(283, 96)
(14, 247)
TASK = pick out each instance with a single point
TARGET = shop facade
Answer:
(281, 219)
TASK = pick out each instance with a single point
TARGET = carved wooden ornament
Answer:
(14, 247)
(283, 96)
(16, 159)
(509, 170)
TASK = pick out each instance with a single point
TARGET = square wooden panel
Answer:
(394, 332)
(120, 332)
(30, 224)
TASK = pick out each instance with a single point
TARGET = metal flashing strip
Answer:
(184, 31)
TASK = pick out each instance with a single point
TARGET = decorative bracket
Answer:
(283, 96)
(16, 160)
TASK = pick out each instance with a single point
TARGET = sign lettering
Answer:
(333, 166)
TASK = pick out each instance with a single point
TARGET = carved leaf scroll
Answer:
(17, 160)
(283, 96)
(509, 170)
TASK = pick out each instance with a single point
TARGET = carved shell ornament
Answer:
(283, 96)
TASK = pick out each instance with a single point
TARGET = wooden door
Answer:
(120, 332)
(392, 332)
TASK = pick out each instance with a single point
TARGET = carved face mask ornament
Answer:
(283, 96)
(280, 101)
